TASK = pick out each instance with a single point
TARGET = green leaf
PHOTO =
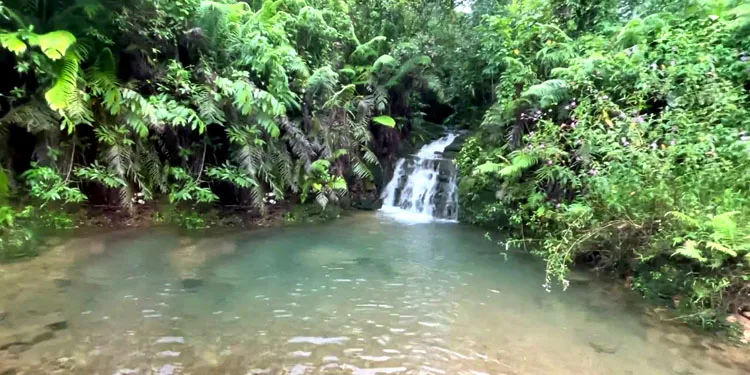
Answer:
(721, 248)
(58, 97)
(385, 121)
(54, 44)
(12, 43)
(690, 250)
(488, 167)
(4, 184)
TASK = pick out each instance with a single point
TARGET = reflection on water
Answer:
(362, 295)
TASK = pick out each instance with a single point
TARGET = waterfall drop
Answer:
(423, 187)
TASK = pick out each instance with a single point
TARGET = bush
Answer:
(625, 148)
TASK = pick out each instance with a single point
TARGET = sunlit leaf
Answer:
(385, 121)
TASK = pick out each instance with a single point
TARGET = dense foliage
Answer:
(187, 102)
(620, 140)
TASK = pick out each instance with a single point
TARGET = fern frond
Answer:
(361, 171)
(409, 67)
(367, 51)
(548, 92)
(520, 162)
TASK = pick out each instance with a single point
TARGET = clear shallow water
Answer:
(362, 295)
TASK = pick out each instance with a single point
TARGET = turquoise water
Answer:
(361, 295)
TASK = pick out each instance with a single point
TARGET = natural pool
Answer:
(361, 295)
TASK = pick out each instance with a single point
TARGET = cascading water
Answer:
(423, 187)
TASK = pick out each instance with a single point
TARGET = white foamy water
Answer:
(415, 194)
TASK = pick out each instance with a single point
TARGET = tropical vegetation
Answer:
(612, 133)
(617, 137)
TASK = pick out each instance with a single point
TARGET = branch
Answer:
(72, 157)
(203, 160)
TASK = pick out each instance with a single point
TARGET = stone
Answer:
(191, 283)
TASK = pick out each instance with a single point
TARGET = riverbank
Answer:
(104, 303)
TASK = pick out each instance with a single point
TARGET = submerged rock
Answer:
(191, 283)
(18, 348)
(604, 345)
(41, 329)
(28, 336)
(54, 321)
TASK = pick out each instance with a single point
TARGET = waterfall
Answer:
(423, 187)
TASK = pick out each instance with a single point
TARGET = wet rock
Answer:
(191, 283)
(62, 283)
(604, 345)
(367, 203)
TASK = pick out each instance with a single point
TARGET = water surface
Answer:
(361, 295)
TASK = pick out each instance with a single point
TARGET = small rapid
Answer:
(423, 187)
